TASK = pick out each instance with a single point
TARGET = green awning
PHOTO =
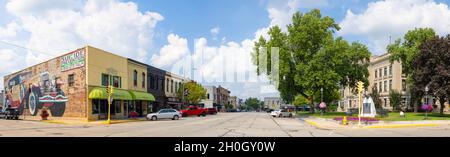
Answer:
(142, 96)
(100, 93)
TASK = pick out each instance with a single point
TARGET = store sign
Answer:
(73, 60)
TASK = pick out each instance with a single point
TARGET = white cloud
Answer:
(176, 49)
(214, 32)
(56, 27)
(9, 31)
(394, 18)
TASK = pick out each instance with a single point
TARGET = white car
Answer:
(164, 114)
(281, 113)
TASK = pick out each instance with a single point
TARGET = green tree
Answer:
(406, 50)
(311, 58)
(195, 92)
(253, 103)
(432, 69)
(395, 99)
(375, 95)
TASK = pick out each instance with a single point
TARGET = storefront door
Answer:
(139, 108)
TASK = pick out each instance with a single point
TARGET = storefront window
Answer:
(95, 106)
(71, 80)
(117, 107)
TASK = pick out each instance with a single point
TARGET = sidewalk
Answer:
(323, 123)
(91, 123)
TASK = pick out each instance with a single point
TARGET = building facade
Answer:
(210, 100)
(233, 102)
(273, 103)
(173, 84)
(384, 76)
(156, 81)
(222, 96)
(73, 86)
(1, 98)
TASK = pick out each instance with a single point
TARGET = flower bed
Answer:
(364, 119)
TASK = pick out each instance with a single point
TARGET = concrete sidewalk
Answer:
(323, 123)
(88, 123)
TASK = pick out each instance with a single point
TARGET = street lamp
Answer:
(426, 101)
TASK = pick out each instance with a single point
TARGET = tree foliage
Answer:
(253, 103)
(432, 69)
(395, 99)
(406, 50)
(311, 58)
(195, 92)
(375, 95)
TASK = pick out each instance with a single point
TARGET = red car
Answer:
(194, 111)
(211, 111)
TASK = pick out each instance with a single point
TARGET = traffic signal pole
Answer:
(110, 92)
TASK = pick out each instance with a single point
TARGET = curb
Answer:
(398, 126)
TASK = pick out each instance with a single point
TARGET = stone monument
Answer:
(369, 108)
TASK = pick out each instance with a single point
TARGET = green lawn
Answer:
(393, 116)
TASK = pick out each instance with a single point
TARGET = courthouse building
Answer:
(73, 86)
(384, 76)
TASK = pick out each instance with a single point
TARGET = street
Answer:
(246, 124)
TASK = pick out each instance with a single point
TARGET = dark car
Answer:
(10, 113)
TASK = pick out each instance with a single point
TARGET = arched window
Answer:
(143, 80)
(135, 76)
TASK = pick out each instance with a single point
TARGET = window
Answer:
(385, 71)
(380, 72)
(152, 82)
(390, 84)
(385, 102)
(380, 89)
(171, 86)
(176, 87)
(207, 96)
(385, 86)
(117, 81)
(71, 80)
(105, 80)
(404, 85)
(376, 86)
(167, 85)
(376, 73)
(117, 107)
(143, 80)
(135, 73)
(390, 70)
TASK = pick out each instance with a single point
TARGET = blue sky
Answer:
(163, 32)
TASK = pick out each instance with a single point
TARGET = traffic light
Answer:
(107, 90)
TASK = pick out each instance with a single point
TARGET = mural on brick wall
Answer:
(40, 86)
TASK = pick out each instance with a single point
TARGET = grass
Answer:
(393, 116)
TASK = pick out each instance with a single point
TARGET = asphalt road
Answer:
(221, 125)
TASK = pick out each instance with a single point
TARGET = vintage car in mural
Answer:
(36, 92)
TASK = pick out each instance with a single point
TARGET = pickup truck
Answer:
(194, 111)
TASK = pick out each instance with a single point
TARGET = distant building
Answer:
(233, 101)
(222, 96)
(210, 101)
(1, 98)
(273, 103)
(240, 103)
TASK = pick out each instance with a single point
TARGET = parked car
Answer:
(10, 113)
(281, 113)
(269, 110)
(194, 111)
(164, 114)
(211, 110)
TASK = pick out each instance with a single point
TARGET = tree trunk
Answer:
(311, 105)
(442, 104)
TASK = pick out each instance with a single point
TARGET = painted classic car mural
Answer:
(40, 86)
(25, 91)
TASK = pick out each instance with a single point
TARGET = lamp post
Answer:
(426, 101)
(321, 101)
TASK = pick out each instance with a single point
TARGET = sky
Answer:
(209, 41)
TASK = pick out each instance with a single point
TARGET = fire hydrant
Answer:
(344, 120)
